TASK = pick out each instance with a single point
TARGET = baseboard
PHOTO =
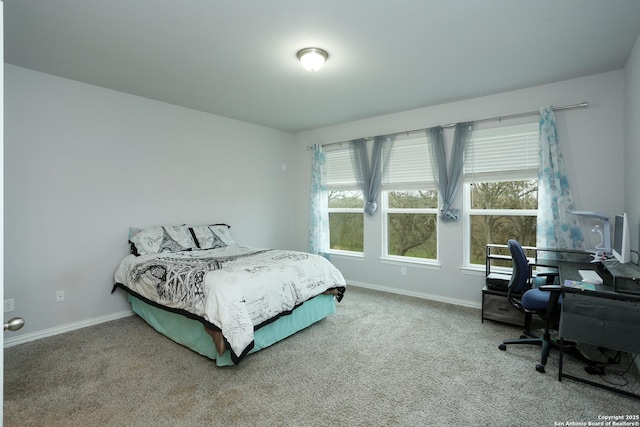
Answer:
(10, 342)
(422, 295)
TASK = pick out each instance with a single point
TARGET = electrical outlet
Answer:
(403, 271)
(59, 296)
(8, 305)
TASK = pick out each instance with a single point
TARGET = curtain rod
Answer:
(490, 119)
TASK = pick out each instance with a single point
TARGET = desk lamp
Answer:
(599, 255)
(604, 247)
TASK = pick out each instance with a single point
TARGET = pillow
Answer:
(133, 231)
(168, 238)
(205, 237)
(222, 231)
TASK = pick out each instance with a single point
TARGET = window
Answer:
(500, 188)
(410, 201)
(346, 215)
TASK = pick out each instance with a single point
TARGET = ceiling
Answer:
(237, 59)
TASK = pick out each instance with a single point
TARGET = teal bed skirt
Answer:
(191, 333)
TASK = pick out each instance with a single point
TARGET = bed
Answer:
(198, 287)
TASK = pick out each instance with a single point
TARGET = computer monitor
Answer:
(621, 249)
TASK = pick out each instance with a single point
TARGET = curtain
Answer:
(448, 179)
(318, 205)
(369, 171)
(557, 227)
(360, 161)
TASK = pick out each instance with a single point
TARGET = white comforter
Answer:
(234, 287)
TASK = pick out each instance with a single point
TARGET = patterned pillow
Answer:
(154, 240)
(223, 233)
(206, 239)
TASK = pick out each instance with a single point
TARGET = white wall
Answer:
(83, 163)
(632, 145)
(592, 144)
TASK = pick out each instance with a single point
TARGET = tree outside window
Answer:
(411, 223)
(346, 220)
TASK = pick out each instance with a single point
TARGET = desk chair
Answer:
(542, 301)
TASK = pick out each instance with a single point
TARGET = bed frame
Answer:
(192, 334)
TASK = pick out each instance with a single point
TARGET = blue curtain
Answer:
(557, 227)
(448, 178)
(318, 205)
(369, 172)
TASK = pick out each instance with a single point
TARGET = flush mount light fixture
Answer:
(312, 58)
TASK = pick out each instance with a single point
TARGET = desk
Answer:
(603, 317)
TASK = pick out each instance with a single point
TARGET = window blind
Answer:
(510, 152)
(340, 173)
(409, 166)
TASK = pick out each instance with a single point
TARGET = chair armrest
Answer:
(550, 288)
(550, 277)
(553, 304)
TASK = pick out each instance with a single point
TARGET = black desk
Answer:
(601, 317)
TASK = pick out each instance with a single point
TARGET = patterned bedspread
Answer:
(235, 288)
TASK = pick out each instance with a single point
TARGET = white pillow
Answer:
(169, 238)
(223, 232)
(206, 238)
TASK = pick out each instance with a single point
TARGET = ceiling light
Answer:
(312, 58)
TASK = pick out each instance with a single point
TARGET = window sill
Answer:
(346, 255)
(431, 264)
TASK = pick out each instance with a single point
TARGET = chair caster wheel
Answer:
(502, 347)
(540, 368)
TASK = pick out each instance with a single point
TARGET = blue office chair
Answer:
(543, 301)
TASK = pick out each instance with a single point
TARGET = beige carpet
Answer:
(381, 360)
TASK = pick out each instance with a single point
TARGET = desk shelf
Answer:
(496, 307)
(626, 277)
